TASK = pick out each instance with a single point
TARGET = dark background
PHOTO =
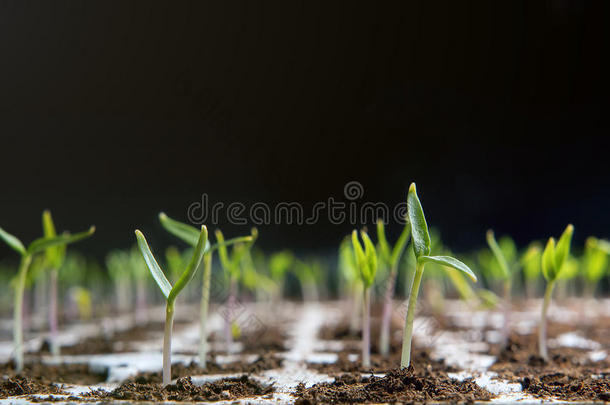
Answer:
(113, 111)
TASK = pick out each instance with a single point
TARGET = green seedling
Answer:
(504, 254)
(279, 265)
(231, 264)
(530, 262)
(422, 248)
(117, 263)
(252, 279)
(37, 246)
(171, 292)
(553, 263)
(366, 261)
(594, 263)
(350, 275)
(189, 234)
(389, 257)
(309, 273)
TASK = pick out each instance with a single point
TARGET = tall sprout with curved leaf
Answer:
(171, 292)
(190, 235)
(553, 262)
(422, 248)
(366, 261)
(504, 254)
(390, 257)
(37, 246)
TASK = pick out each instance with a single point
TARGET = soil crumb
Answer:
(265, 362)
(184, 390)
(25, 386)
(48, 374)
(405, 385)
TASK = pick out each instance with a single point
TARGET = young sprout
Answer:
(366, 261)
(117, 263)
(595, 263)
(171, 292)
(421, 248)
(279, 264)
(309, 274)
(37, 246)
(390, 257)
(231, 264)
(504, 254)
(351, 280)
(190, 235)
(530, 262)
(553, 261)
(137, 268)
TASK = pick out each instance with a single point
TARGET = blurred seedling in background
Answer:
(594, 263)
(190, 235)
(309, 272)
(530, 263)
(231, 264)
(117, 263)
(351, 282)
(171, 292)
(505, 265)
(422, 248)
(279, 266)
(366, 262)
(553, 260)
(37, 246)
(389, 257)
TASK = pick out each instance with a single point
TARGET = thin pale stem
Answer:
(366, 328)
(506, 312)
(167, 343)
(384, 337)
(18, 312)
(542, 327)
(205, 302)
(408, 331)
(53, 313)
(355, 309)
(229, 316)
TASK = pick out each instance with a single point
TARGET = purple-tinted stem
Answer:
(229, 316)
(384, 337)
(366, 328)
(53, 313)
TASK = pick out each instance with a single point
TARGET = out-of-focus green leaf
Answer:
(495, 248)
(595, 261)
(187, 233)
(42, 244)
(55, 255)
(384, 248)
(153, 266)
(12, 241)
(419, 227)
(280, 263)
(400, 245)
(371, 258)
(448, 261)
(531, 262)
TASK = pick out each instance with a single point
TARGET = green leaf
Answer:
(548, 261)
(12, 241)
(384, 247)
(222, 251)
(192, 267)
(371, 258)
(595, 260)
(531, 262)
(562, 250)
(449, 262)
(187, 233)
(493, 245)
(400, 245)
(55, 255)
(44, 243)
(419, 227)
(153, 266)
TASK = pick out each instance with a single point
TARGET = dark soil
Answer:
(25, 386)
(265, 362)
(184, 390)
(406, 385)
(567, 375)
(45, 374)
